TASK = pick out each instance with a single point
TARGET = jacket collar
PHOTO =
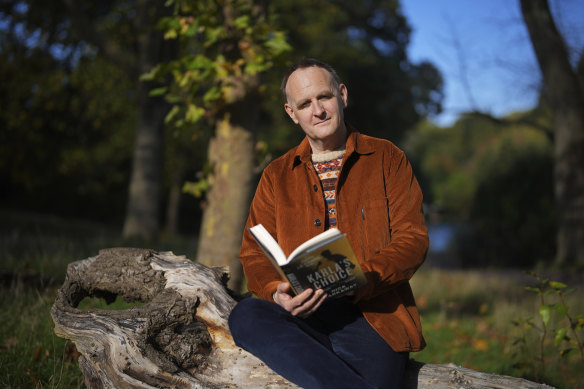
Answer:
(356, 143)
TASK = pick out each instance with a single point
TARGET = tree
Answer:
(564, 93)
(225, 48)
(123, 33)
(65, 118)
(493, 180)
(135, 46)
(366, 42)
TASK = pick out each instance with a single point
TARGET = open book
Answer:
(326, 261)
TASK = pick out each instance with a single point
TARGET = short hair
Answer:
(308, 63)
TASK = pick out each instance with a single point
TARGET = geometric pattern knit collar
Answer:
(328, 156)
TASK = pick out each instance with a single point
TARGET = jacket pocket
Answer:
(375, 228)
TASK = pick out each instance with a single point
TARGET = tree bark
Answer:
(144, 195)
(143, 208)
(138, 57)
(564, 92)
(227, 202)
(231, 153)
(180, 337)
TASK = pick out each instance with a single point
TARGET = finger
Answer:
(317, 303)
(311, 305)
(302, 298)
(284, 287)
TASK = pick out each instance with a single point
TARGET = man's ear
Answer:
(344, 94)
(291, 113)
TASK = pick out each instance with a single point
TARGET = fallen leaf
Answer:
(481, 344)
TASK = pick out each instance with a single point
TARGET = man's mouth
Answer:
(322, 121)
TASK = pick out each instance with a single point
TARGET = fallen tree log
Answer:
(179, 337)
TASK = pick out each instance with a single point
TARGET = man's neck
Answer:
(332, 145)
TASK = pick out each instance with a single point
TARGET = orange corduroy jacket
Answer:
(379, 207)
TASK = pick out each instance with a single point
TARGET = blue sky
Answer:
(482, 49)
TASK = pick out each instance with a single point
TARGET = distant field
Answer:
(467, 316)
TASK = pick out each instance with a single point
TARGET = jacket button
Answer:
(315, 187)
(317, 222)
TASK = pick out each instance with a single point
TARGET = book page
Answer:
(267, 241)
(314, 241)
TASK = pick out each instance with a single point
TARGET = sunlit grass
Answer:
(468, 319)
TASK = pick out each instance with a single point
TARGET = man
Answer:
(365, 187)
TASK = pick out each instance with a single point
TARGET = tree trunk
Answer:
(173, 204)
(137, 58)
(227, 202)
(142, 213)
(564, 92)
(180, 337)
(143, 209)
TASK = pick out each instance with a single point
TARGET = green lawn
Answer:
(467, 316)
(476, 319)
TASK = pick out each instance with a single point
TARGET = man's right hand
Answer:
(302, 305)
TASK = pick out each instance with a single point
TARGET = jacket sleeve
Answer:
(262, 278)
(397, 262)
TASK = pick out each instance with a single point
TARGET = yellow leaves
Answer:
(194, 113)
(224, 128)
(186, 23)
(481, 345)
(170, 34)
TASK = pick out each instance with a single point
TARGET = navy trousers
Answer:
(334, 348)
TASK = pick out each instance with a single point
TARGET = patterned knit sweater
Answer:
(328, 167)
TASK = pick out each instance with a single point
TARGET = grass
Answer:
(34, 253)
(468, 319)
(31, 355)
(467, 316)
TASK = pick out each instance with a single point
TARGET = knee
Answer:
(243, 319)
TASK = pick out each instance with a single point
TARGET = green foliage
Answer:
(67, 135)
(469, 318)
(68, 115)
(496, 179)
(366, 43)
(69, 111)
(513, 206)
(554, 321)
(225, 45)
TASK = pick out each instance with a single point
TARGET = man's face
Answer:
(316, 103)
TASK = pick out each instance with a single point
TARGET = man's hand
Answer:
(302, 305)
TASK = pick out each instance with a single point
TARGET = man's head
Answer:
(315, 100)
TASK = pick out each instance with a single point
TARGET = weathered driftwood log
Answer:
(179, 338)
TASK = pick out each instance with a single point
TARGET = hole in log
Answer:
(92, 302)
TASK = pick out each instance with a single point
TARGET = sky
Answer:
(482, 50)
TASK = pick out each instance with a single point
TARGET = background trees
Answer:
(73, 107)
(493, 183)
(66, 118)
(564, 94)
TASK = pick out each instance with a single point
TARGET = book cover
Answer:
(326, 262)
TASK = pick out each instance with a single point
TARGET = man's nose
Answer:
(317, 109)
